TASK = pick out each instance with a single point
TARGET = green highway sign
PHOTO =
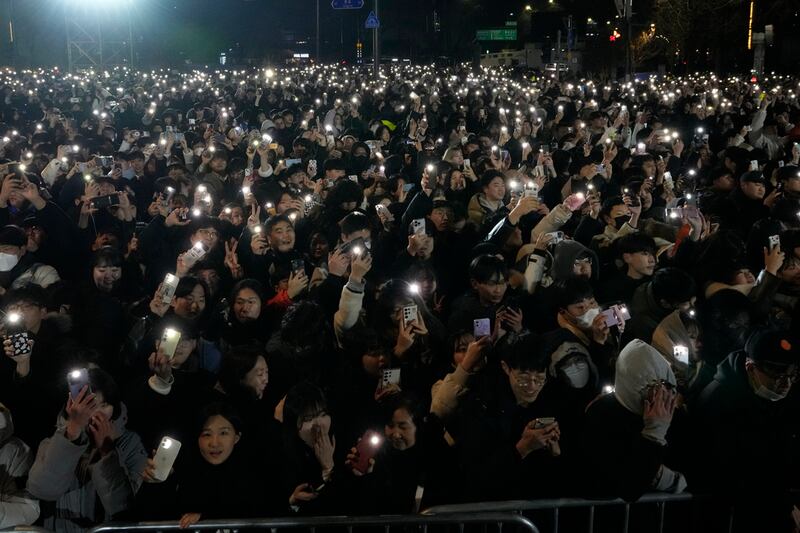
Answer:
(499, 34)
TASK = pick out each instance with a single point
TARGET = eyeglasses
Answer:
(584, 261)
(527, 380)
(776, 375)
(208, 232)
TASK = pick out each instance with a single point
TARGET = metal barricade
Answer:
(25, 529)
(555, 507)
(492, 521)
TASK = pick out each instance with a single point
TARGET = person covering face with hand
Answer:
(625, 440)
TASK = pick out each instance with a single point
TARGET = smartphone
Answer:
(407, 187)
(192, 122)
(273, 146)
(555, 237)
(168, 288)
(165, 457)
(681, 354)
(616, 315)
(418, 226)
(409, 314)
(382, 209)
(481, 327)
(195, 253)
(312, 167)
(290, 162)
(774, 241)
(169, 342)
(544, 422)
(76, 380)
(298, 265)
(355, 247)
(754, 164)
(467, 163)
(105, 161)
(610, 317)
(15, 332)
(390, 376)
(575, 201)
(366, 449)
(531, 189)
(108, 200)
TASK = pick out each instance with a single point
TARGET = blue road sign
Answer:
(372, 22)
(347, 4)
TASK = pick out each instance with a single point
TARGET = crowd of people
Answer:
(337, 294)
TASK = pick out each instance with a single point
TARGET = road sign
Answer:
(347, 4)
(500, 34)
(372, 22)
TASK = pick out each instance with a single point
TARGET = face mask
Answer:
(577, 374)
(8, 261)
(585, 320)
(769, 394)
(619, 221)
(129, 174)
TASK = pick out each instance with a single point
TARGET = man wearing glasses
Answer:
(748, 421)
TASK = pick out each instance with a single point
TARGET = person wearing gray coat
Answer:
(16, 507)
(90, 458)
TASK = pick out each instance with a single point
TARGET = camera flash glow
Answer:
(201, 188)
(14, 317)
(357, 250)
(375, 440)
(292, 216)
(228, 210)
(608, 389)
(196, 212)
(75, 374)
(413, 288)
(307, 198)
(245, 190)
(170, 333)
(166, 444)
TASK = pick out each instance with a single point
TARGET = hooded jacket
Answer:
(16, 506)
(625, 453)
(73, 477)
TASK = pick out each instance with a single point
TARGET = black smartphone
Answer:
(16, 333)
(108, 200)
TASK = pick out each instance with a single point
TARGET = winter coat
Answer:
(16, 506)
(73, 477)
(751, 443)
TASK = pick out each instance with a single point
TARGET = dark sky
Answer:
(169, 32)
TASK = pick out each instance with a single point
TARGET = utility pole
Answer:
(629, 42)
(376, 45)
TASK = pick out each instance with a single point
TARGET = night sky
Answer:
(170, 32)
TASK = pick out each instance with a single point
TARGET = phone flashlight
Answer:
(413, 288)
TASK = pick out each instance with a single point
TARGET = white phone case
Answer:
(168, 288)
(165, 457)
(169, 342)
(409, 314)
(391, 376)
